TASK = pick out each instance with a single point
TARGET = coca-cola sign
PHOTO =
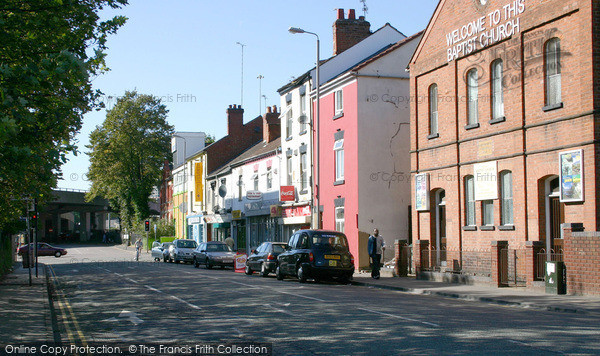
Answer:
(287, 193)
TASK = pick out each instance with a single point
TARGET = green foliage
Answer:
(168, 239)
(209, 140)
(50, 52)
(127, 155)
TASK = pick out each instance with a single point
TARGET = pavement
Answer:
(26, 314)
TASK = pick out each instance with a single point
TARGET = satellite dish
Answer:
(222, 191)
(303, 119)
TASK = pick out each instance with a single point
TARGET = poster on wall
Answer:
(486, 180)
(422, 192)
(571, 176)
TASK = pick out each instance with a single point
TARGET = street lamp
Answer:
(184, 203)
(316, 171)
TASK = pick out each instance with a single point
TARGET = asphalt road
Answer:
(103, 296)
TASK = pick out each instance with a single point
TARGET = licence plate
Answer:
(332, 257)
(333, 263)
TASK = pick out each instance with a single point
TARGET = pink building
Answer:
(363, 162)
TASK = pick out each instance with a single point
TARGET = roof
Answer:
(387, 50)
(294, 83)
(436, 12)
(259, 150)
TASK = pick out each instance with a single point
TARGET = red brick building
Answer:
(504, 130)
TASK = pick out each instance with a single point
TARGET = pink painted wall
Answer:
(349, 190)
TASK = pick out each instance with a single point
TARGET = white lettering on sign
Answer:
(477, 35)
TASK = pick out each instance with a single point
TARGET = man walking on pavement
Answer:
(376, 246)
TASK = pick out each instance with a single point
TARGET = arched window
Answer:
(497, 90)
(472, 102)
(552, 66)
(506, 195)
(470, 201)
(433, 109)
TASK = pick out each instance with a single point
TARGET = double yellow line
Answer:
(68, 317)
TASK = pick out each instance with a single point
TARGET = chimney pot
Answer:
(351, 14)
(340, 14)
(268, 109)
(275, 108)
(361, 18)
(230, 106)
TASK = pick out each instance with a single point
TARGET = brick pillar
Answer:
(401, 267)
(499, 268)
(572, 256)
(532, 248)
(418, 248)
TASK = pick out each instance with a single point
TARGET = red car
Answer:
(43, 250)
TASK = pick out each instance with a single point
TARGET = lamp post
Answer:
(184, 204)
(316, 223)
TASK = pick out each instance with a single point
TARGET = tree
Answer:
(50, 52)
(127, 155)
(210, 139)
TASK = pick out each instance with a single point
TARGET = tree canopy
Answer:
(127, 154)
(50, 51)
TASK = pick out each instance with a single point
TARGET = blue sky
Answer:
(185, 52)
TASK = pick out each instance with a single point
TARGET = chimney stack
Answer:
(235, 119)
(350, 31)
(271, 125)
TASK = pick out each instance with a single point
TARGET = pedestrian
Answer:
(376, 247)
(104, 240)
(229, 241)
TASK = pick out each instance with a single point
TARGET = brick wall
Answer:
(582, 260)
(350, 31)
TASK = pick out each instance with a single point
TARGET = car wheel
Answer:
(301, 274)
(165, 260)
(196, 264)
(248, 270)
(57, 254)
(208, 264)
(263, 270)
(279, 274)
(156, 259)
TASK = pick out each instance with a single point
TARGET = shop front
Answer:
(218, 226)
(295, 218)
(261, 226)
(195, 230)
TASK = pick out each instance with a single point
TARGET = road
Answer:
(104, 296)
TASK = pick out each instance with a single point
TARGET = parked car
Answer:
(182, 250)
(160, 250)
(214, 253)
(264, 258)
(317, 254)
(43, 249)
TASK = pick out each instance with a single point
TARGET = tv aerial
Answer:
(365, 9)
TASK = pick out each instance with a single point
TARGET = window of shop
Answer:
(240, 186)
(289, 170)
(497, 90)
(289, 122)
(553, 72)
(339, 219)
(339, 102)
(472, 100)
(433, 109)
(469, 201)
(269, 179)
(255, 178)
(303, 112)
(264, 228)
(507, 197)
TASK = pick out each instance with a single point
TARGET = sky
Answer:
(186, 52)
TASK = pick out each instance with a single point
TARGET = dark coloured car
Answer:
(213, 253)
(182, 250)
(264, 258)
(317, 254)
(43, 249)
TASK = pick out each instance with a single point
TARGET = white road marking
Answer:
(244, 284)
(186, 303)
(152, 288)
(131, 280)
(300, 295)
(400, 317)
(280, 310)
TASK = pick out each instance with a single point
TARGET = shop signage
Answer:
(276, 211)
(236, 214)
(194, 220)
(486, 180)
(240, 262)
(571, 176)
(293, 211)
(198, 182)
(287, 193)
(253, 194)
(484, 31)
(422, 192)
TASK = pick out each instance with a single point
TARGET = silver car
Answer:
(182, 250)
(160, 250)
(214, 253)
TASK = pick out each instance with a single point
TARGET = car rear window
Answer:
(278, 248)
(338, 242)
(218, 248)
(186, 244)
